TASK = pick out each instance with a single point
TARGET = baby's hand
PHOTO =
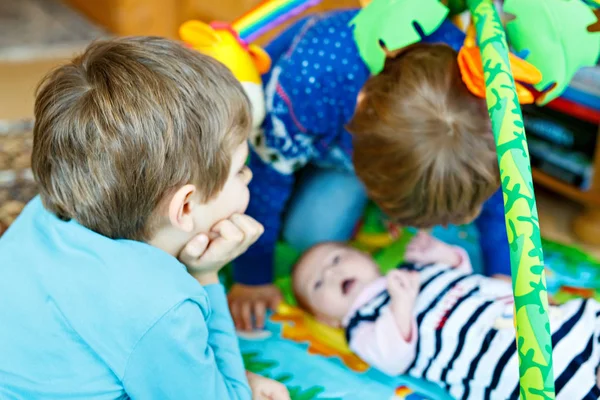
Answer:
(230, 238)
(425, 249)
(403, 287)
(266, 389)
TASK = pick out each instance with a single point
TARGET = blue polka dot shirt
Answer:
(311, 94)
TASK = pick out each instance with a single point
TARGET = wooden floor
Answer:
(31, 29)
(35, 36)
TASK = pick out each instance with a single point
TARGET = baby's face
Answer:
(330, 277)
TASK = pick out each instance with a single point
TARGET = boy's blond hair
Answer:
(128, 121)
(423, 144)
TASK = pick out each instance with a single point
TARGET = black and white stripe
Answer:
(461, 347)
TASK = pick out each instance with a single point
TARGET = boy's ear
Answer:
(180, 208)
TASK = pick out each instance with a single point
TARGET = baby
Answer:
(435, 319)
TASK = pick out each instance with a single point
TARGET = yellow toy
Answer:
(232, 45)
(247, 62)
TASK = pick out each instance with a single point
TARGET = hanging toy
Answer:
(392, 23)
(246, 62)
(471, 68)
(231, 45)
(556, 35)
(267, 16)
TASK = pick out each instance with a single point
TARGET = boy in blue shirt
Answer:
(139, 153)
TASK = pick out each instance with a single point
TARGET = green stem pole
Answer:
(534, 342)
(592, 3)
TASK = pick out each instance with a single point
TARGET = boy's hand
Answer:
(246, 301)
(403, 287)
(425, 249)
(205, 257)
(266, 389)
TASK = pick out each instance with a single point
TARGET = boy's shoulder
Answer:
(109, 292)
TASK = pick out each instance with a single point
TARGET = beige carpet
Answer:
(35, 36)
(31, 29)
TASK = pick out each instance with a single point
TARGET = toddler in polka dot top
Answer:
(421, 148)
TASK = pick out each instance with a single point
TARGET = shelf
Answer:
(565, 189)
(575, 110)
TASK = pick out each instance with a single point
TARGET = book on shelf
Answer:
(562, 135)
(575, 110)
(561, 130)
(587, 82)
(572, 167)
(582, 98)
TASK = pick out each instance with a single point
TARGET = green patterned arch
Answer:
(534, 342)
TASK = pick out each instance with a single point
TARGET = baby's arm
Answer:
(381, 344)
(403, 287)
(389, 342)
(425, 249)
(191, 352)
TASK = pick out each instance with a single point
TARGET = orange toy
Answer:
(471, 68)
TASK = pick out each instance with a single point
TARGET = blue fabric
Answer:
(310, 96)
(310, 375)
(326, 205)
(492, 236)
(87, 317)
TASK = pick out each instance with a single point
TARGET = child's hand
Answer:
(425, 249)
(205, 257)
(246, 301)
(403, 287)
(266, 389)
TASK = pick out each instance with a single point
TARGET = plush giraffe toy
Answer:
(247, 61)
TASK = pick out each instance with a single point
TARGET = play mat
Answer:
(313, 360)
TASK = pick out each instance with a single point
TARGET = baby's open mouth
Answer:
(347, 285)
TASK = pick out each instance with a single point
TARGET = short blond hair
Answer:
(423, 144)
(129, 120)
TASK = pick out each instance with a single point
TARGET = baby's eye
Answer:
(336, 259)
(318, 284)
(242, 171)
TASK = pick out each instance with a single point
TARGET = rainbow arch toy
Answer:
(232, 44)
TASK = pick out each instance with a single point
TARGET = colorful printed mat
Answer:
(314, 361)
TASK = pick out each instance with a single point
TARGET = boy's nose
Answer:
(330, 274)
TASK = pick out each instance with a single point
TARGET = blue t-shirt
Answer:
(311, 94)
(83, 316)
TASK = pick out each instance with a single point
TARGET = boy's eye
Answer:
(242, 171)
(318, 284)
(336, 259)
